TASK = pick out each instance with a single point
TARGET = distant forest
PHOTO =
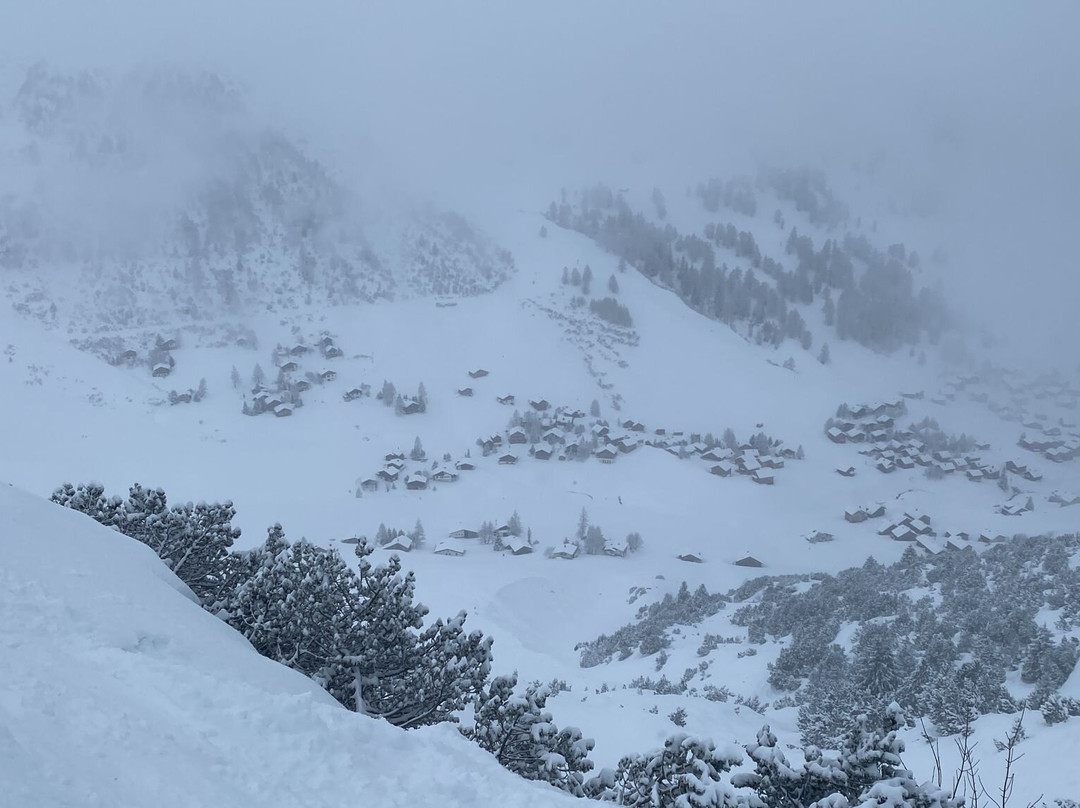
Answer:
(865, 294)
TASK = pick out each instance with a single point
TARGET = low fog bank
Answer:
(964, 113)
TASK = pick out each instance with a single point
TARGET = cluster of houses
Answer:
(283, 398)
(898, 455)
(1010, 394)
(1011, 397)
(865, 423)
(918, 528)
(549, 435)
(1052, 443)
(909, 528)
(747, 461)
(563, 433)
(456, 543)
(282, 403)
(893, 448)
(418, 478)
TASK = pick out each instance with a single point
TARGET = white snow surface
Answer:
(116, 689)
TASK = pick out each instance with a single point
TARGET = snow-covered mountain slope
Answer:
(117, 689)
(131, 198)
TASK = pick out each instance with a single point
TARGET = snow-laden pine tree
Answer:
(685, 773)
(294, 602)
(520, 733)
(418, 536)
(876, 775)
(387, 394)
(193, 540)
(780, 783)
(361, 637)
(594, 540)
(396, 668)
(89, 498)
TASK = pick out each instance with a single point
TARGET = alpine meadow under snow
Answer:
(462, 411)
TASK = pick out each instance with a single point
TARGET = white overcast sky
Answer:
(977, 101)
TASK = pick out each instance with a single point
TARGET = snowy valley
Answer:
(648, 437)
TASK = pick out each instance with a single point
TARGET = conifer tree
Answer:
(583, 525)
(594, 540)
(418, 536)
(685, 773)
(387, 395)
(519, 732)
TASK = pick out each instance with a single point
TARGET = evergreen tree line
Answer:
(736, 194)
(943, 655)
(691, 772)
(649, 633)
(360, 635)
(936, 634)
(881, 308)
(809, 190)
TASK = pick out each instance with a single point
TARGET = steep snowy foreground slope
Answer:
(117, 689)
